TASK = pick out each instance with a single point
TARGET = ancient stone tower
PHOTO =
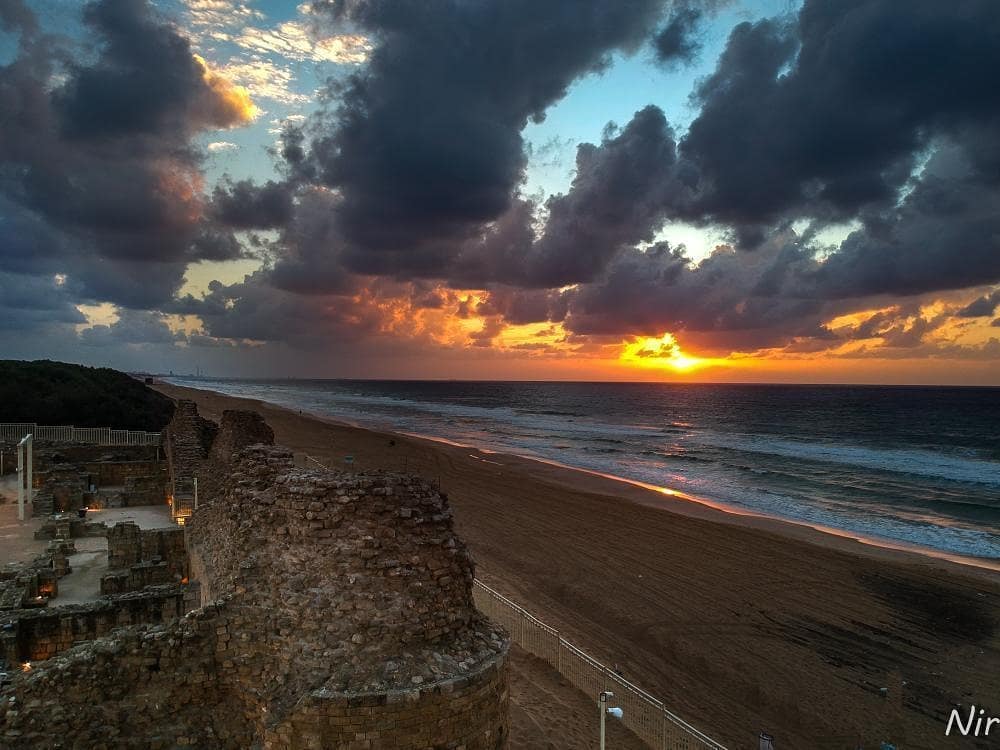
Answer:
(337, 613)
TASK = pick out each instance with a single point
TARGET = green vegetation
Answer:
(56, 393)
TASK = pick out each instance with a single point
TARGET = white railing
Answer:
(646, 716)
(15, 431)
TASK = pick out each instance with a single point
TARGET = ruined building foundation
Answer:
(336, 612)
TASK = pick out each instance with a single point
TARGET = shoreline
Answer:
(738, 624)
(674, 501)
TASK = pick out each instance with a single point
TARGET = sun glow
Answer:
(663, 352)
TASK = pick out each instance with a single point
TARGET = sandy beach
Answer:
(738, 623)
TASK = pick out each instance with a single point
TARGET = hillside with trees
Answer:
(57, 393)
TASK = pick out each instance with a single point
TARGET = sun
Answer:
(663, 352)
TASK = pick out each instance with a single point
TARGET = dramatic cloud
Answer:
(14, 15)
(135, 327)
(145, 82)
(675, 42)
(848, 155)
(243, 205)
(981, 307)
(828, 116)
(615, 201)
(99, 175)
(427, 143)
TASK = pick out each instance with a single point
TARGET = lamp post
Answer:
(602, 702)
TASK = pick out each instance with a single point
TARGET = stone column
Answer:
(20, 480)
(30, 488)
(24, 462)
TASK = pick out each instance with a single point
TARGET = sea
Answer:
(911, 466)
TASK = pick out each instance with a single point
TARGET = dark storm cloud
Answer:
(677, 43)
(310, 261)
(717, 300)
(944, 235)
(15, 16)
(521, 306)
(145, 82)
(492, 327)
(982, 307)
(837, 126)
(855, 110)
(28, 303)
(427, 144)
(99, 179)
(244, 205)
(132, 327)
(812, 120)
(823, 120)
(616, 200)
(423, 149)
(256, 310)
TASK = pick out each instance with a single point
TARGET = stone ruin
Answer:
(147, 568)
(69, 476)
(199, 451)
(138, 558)
(335, 611)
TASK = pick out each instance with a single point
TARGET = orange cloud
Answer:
(230, 104)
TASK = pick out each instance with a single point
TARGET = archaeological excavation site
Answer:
(196, 588)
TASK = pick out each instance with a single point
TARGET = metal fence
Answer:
(15, 431)
(646, 716)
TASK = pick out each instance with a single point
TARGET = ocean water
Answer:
(912, 465)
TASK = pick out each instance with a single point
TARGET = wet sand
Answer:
(737, 623)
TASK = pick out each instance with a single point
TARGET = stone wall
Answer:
(21, 586)
(63, 487)
(343, 617)
(47, 453)
(118, 472)
(136, 578)
(140, 688)
(189, 440)
(65, 472)
(376, 549)
(467, 712)
(9, 463)
(145, 490)
(238, 430)
(34, 635)
(56, 525)
(128, 545)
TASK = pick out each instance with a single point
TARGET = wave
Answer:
(913, 462)
(894, 494)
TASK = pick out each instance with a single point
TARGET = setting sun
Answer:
(662, 352)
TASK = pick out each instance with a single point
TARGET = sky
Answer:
(713, 190)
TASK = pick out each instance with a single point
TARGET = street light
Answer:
(602, 702)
